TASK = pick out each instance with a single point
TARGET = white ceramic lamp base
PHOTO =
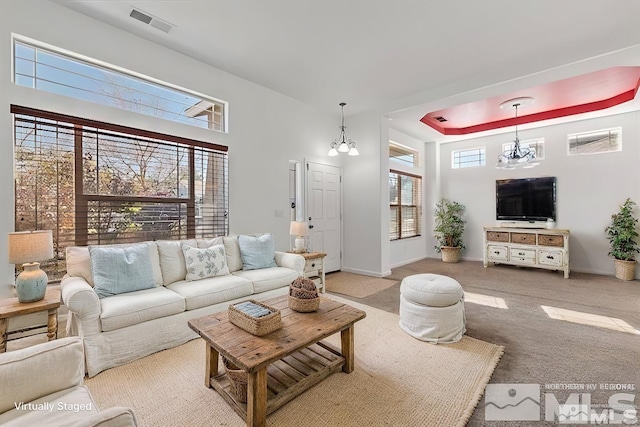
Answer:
(299, 245)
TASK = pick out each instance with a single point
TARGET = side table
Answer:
(314, 268)
(10, 307)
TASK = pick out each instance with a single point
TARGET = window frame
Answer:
(508, 146)
(482, 158)
(415, 163)
(80, 234)
(417, 205)
(200, 108)
(617, 130)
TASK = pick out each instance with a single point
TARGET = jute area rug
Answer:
(356, 285)
(398, 381)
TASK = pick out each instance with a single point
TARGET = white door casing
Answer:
(324, 195)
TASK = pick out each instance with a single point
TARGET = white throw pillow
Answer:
(203, 263)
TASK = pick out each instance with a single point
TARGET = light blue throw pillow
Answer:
(117, 270)
(257, 252)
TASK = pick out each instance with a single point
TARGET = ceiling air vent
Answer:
(151, 20)
(440, 119)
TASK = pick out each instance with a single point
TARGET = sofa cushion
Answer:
(213, 290)
(257, 251)
(232, 249)
(266, 279)
(207, 243)
(206, 262)
(172, 262)
(128, 309)
(61, 408)
(118, 270)
(79, 262)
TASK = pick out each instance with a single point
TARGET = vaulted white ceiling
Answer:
(397, 57)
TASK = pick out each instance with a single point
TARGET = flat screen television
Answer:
(528, 199)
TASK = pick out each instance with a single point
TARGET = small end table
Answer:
(314, 268)
(11, 307)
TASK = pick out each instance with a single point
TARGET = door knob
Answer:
(310, 226)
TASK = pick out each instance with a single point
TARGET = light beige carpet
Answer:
(356, 285)
(398, 381)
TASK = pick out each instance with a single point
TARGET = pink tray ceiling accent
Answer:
(581, 94)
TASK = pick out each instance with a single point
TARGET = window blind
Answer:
(405, 202)
(93, 183)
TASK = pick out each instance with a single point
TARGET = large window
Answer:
(54, 70)
(405, 196)
(95, 183)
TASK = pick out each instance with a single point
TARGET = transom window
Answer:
(94, 183)
(599, 141)
(64, 73)
(468, 158)
(405, 202)
(535, 144)
(403, 154)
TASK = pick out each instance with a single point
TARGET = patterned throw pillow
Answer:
(203, 263)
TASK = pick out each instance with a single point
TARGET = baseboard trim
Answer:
(400, 264)
(366, 272)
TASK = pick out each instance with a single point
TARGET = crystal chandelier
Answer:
(343, 144)
(517, 156)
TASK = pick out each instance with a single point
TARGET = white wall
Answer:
(266, 129)
(589, 188)
(363, 219)
(405, 251)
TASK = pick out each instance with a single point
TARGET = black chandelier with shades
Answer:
(517, 156)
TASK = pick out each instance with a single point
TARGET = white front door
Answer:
(323, 212)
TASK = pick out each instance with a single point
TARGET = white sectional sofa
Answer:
(120, 328)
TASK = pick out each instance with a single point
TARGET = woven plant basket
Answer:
(304, 305)
(450, 253)
(625, 270)
(237, 379)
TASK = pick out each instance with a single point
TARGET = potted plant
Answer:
(449, 227)
(622, 234)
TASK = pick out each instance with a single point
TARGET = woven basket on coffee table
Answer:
(304, 305)
(303, 295)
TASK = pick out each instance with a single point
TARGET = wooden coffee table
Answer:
(282, 364)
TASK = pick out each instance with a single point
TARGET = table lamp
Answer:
(26, 248)
(299, 229)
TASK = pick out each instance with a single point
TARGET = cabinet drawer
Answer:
(497, 253)
(497, 236)
(523, 238)
(544, 240)
(550, 257)
(522, 256)
(312, 265)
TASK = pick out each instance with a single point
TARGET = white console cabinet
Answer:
(528, 247)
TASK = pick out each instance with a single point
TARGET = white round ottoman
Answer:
(432, 308)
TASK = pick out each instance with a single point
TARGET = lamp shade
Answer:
(299, 228)
(30, 246)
